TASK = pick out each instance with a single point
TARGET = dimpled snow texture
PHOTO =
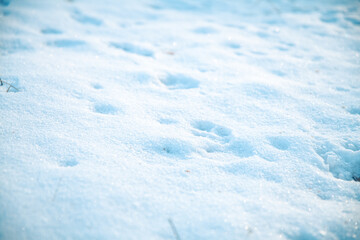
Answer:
(182, 119)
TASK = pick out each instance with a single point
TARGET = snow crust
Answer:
(190, 119)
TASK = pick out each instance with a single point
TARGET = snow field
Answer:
(235, 120)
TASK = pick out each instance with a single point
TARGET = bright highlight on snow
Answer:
(181, 119)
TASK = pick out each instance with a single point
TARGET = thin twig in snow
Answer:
(173, 228)
(10, 85)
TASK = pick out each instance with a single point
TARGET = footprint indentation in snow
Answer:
(279, 142)
(209, 127)
(4, 2)
(300, 235)
(220, 137)
(241, 148)
(317, 58)
(97, 86)
(329, 19)
(354, 110)
(233, 45)
(213, 147)
(172, 147)
(259, 53)
(51, 31)
(352, 145)
(263, 35)
(66, 43)
(6, 13)
(330, 16)
(167, 121)
(84, 19)
(283, 49)
(278, 73)
(205, 30)
(355, 21)
(130, 48)
(142, 77)
(105, 108)
(179, 81)
(285, 46)
(342, 89)
(179, 6)
(68, 162)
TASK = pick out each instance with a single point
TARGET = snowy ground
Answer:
(231, 119)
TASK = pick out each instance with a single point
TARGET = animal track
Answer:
(4, 2)
(355, 21)
(278, 73)
(282, 49)
(167, 121)
(317, 58)
(66, 43)
(105, 108)
(259, 53)
(279, 142)
(354, 110)
(85, 19)
(97, 86)
(51, 31)
(130, 48)
(179, 81)
(329, 16)
(142, 77)
(263, 35)
(61, 151)
(232, 45)
(352, 145)
(329, 19)
(71, 162)
(172, 147)
(342, 89)
(205, 30)
(213, 147)
(211, 130)
(241, 148)
(6, 13)
(223, 139)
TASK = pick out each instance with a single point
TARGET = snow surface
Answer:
(180, 119)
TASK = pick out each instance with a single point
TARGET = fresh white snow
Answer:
(180, 119)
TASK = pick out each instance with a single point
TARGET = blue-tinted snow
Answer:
(226, 119)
